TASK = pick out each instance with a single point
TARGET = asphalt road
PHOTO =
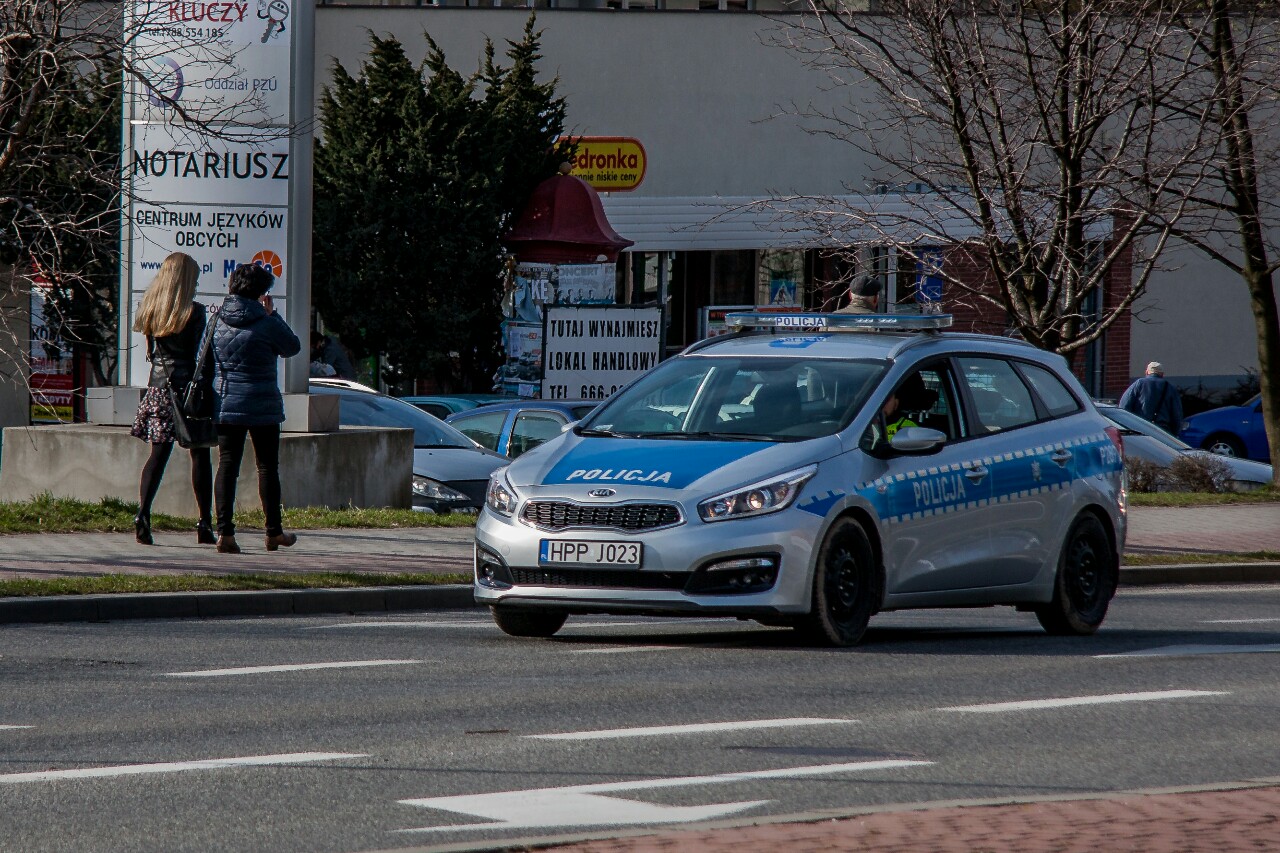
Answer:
(432, 729)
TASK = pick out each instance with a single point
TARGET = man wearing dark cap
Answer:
(864, 296)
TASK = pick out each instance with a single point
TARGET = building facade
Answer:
(711, 98)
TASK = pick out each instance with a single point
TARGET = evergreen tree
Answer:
(419, 173)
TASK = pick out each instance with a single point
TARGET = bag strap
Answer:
(202, 355)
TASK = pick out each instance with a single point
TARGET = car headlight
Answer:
(500, 497)
(761, 498)
(426, 487)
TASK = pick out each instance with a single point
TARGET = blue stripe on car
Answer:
(666, 464)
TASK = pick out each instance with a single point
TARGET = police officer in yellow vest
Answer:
(912, 388)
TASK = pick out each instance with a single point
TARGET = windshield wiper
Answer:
(601, 433)
(716, 436)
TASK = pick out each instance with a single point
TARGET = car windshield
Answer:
(746, 398)
(375, 410)
(1130, 421)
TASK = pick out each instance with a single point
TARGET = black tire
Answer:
(844, 587)
(528, 623)
(1224, 444)
(1088, 572)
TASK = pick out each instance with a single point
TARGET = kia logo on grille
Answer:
(602, 493)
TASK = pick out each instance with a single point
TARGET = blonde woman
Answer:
(173, 322)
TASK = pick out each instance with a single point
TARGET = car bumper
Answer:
(688, 568)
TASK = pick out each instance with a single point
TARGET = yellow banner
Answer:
(610, 163)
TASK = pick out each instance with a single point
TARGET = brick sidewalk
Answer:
(1217, 821)
(1234, 528)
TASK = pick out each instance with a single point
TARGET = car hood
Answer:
(572, 465)
(454, 464)
(1241, 469)
(1220, 414)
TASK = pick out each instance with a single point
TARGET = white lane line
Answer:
(582, 805)
(1240, 621)
(176, 766)
(1182, 651)
(1036, 704)
(614, 650)
(488, 623)
(4, 727)
(694, 728)
(290, 667)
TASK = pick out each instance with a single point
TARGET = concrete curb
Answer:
(1200, 573)
(310, 602)
(274, 602)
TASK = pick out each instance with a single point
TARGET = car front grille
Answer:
(600, 578)
(561, 515)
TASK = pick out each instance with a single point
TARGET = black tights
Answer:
(266, 448)
(201, 478)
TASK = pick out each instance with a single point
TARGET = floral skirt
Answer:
(154, 421)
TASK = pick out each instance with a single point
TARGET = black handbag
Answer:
(193, 410)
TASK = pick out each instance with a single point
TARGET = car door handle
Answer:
(1062, 457)
(976, 473)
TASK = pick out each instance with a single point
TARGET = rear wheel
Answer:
(528, 623)
(844, 587)
(1224, 444)
(1087, 576)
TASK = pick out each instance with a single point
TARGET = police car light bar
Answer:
(837, 322)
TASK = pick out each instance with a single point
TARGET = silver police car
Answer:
(812, 470)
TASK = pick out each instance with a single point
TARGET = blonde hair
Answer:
(166, 306)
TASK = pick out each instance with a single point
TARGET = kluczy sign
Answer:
(591, 352)
(208, 149)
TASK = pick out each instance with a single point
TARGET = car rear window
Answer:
(1055, 396)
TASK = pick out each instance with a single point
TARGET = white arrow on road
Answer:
(583, 805)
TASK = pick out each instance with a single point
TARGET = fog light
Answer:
(738, 575)
(491, 571)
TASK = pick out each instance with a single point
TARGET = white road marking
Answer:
(614, 650)
(1240, 621)
(488, 623)
(289, 667)
(176, 766)
(1108, 699)
(1182, 651)
(693, 728)
(3, 727)
(581, 805)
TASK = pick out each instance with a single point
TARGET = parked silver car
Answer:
(1145, 440)
(450, 471)
(813, 470)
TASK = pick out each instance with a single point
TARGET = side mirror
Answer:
(917, 440)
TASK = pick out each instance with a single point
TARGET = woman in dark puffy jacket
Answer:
(248, 339)
(173, 322)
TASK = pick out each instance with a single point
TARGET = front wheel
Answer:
(528, 623)
(1224, 445)
(1088, 572)
(844, 587)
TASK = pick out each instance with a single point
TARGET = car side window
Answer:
(440, 410)
(925, 398)
(484, 428)
(1000, 399)
(1055, 396)
(532, 429)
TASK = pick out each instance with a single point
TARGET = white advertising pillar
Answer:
(217, 157)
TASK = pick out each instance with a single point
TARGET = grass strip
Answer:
(47, 514)
(1183, 557)
(110, 584)
(1261, 496)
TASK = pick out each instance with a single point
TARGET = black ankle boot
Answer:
(204, 534)
(142, 529)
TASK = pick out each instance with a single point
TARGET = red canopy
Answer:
(564, 223)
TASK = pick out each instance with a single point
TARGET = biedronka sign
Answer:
(206, 147)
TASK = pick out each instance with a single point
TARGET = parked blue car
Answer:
(517, 426)
(1229, 431)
